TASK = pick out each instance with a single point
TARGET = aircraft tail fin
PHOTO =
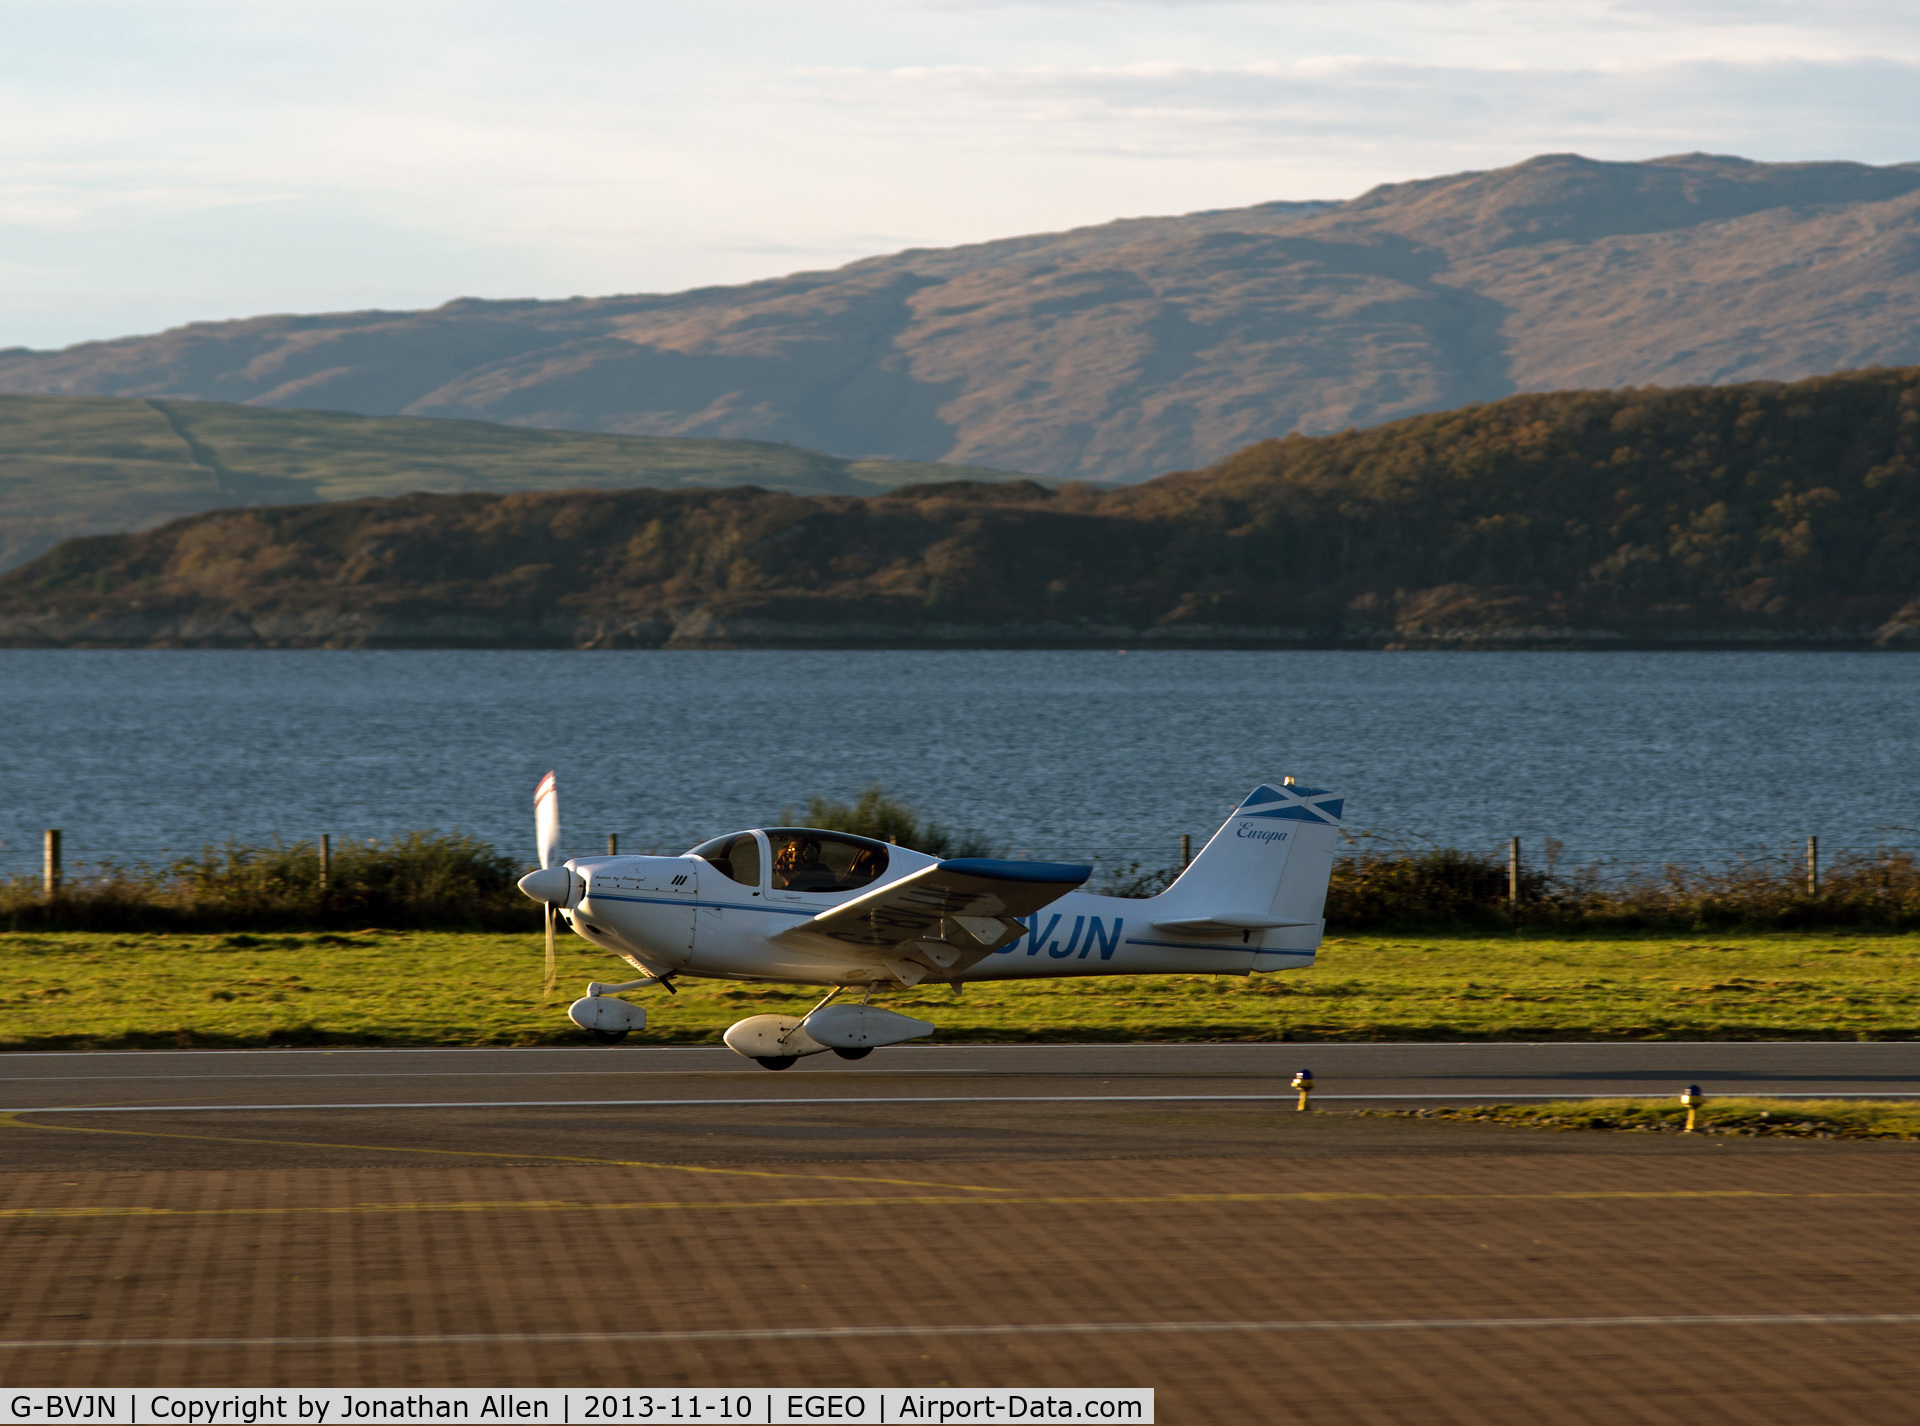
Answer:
(1263, 876)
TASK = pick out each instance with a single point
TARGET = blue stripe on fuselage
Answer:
(701, 905)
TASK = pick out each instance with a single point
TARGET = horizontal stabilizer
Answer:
(1227, 923)
(973, 903)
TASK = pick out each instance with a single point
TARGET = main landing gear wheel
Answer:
(859, 1054)
(608, 1037)
(775, 1061)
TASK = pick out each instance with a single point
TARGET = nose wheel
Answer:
(775, 1061)
(608, 1037)
(859, 1054)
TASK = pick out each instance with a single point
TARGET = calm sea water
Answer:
(136, 752)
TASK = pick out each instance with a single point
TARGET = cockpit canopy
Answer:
(802, 859)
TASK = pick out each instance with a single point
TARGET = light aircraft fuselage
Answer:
(808, 906)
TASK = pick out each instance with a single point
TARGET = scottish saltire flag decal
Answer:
(1293, 804)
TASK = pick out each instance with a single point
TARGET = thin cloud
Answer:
(198, 160)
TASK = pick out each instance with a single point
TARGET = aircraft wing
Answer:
(943, 917)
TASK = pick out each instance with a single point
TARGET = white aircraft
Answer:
(803, 906)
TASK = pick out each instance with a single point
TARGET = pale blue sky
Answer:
(166, 162)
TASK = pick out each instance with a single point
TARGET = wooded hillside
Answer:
(1784, 515)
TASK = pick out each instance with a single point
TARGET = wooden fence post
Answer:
(1513, 872)
(613, 844)
(50, 871)
(326, 859)
(1813, 866)
(1186, 850)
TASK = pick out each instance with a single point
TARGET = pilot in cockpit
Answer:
(798, 867)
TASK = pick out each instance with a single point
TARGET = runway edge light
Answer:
(1693, 1099)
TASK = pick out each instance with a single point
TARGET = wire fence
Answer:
(1373, 872)
(84, 855)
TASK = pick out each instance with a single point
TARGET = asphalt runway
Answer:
(661, 1075)
(1022, 1215)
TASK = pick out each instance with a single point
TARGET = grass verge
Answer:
(67, 990)
(1742, 1118)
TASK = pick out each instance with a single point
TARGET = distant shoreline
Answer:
(1142, 645)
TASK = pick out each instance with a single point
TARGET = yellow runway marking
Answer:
(933, 1201)
(11, 1119)
(1673, 1324)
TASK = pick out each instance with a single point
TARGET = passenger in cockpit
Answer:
(865, 868)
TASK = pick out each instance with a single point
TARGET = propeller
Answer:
(546, 820)
(540, 885)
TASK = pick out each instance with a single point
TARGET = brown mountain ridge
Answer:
(1753, 515)
(1121, 351)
